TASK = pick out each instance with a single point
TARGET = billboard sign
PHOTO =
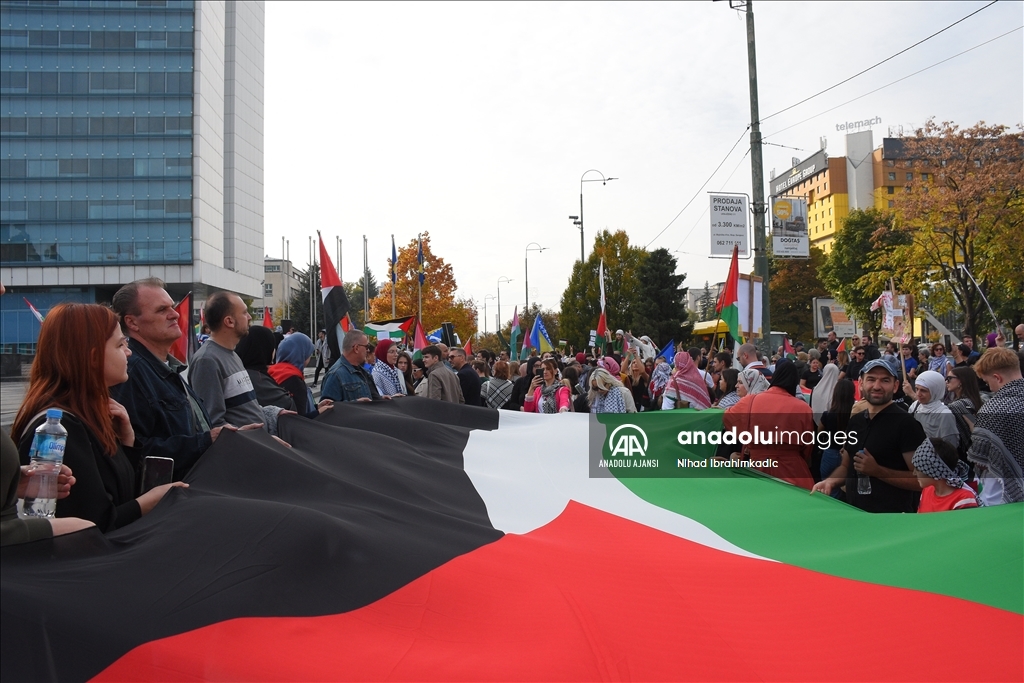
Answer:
(812, 165)
(729, 224)
(789, 228)
(830, 316)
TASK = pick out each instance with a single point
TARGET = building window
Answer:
(268, 290)
(272, 269)
(890, 162)
(889, 189)
(924, 176)
(910, 176)
(892, 176)
(891, 203)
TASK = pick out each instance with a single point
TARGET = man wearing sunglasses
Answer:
(347, 380)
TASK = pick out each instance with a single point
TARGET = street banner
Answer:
(729, 224)
(789, 228)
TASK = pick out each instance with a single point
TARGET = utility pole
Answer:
(757, 179)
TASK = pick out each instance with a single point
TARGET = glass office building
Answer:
(131, 137)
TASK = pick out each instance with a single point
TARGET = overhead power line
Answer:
(898, 80)
(873, 66)
(707, 206)
(727, 154)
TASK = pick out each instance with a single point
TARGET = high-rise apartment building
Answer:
(131, 146)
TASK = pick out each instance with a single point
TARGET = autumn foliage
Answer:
(439, 302)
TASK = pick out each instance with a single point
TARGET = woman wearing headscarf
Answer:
(607, 394)
(821, 397)
(659, 380)
(751, 381)
(686, 384)
(386, 376)
(293, 352)
(776, 411)
(256, 349)
(928, 408)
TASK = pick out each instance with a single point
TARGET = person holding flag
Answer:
(336, 306)
(727, 306)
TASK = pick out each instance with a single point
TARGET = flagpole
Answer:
(899, 349)
(393, 278)
(419, 280)
(311, 321)
(366, 285)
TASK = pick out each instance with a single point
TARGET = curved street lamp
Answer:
(532, 246)
(578, 220)
(500, 280)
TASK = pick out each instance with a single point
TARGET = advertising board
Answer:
(789, 228)
(730, 224)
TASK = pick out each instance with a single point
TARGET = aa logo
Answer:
(628, 440)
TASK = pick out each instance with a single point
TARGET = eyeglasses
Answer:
(950, 379)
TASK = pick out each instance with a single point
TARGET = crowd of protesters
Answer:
(932, 431)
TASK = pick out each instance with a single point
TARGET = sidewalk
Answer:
(13, 393)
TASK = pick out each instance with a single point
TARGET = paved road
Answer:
(13, 393)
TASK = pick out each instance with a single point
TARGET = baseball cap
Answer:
(884, 363)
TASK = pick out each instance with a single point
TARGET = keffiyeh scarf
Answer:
(611, 402)
(659, 378)
(549, 398)
(389, 381)
(927, 462)
(997, 443)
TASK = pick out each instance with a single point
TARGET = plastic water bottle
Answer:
(45, 459)
(863, 482)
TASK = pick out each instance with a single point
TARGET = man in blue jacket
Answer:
(347, 380)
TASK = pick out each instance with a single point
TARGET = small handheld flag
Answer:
(37, 314)
(268, 320)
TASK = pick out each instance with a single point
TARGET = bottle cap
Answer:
(54, 413)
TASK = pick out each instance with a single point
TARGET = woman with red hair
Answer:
(80, 354)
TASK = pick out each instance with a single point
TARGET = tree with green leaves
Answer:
(794, 284)
(300, 301)
(846, 266)
(354, 290)
(581, 300)
(660, 310)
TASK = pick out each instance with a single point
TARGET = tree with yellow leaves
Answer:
(439, 302)
(963, 209)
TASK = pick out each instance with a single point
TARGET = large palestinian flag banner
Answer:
(421, 540)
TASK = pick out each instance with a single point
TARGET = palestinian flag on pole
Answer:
(419, 342)
(842, 346)
(187, 343)
(514, 336)
(461, 543)
(602, 322)
(395, 329)
(727, 307)
(335, 302)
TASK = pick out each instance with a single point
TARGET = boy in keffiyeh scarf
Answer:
(942, 477)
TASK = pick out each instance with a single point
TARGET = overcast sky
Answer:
(475, 121)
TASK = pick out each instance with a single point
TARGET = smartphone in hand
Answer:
(156, 471)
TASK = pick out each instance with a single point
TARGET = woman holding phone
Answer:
(80, 354)
(547, 393)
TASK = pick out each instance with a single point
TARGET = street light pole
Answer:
(578, 220)
(500, 280)
(532, 246)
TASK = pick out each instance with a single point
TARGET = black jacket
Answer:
(157, 403)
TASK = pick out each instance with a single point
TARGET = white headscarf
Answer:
(754, 381)
(821, 397)
(934, 416)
